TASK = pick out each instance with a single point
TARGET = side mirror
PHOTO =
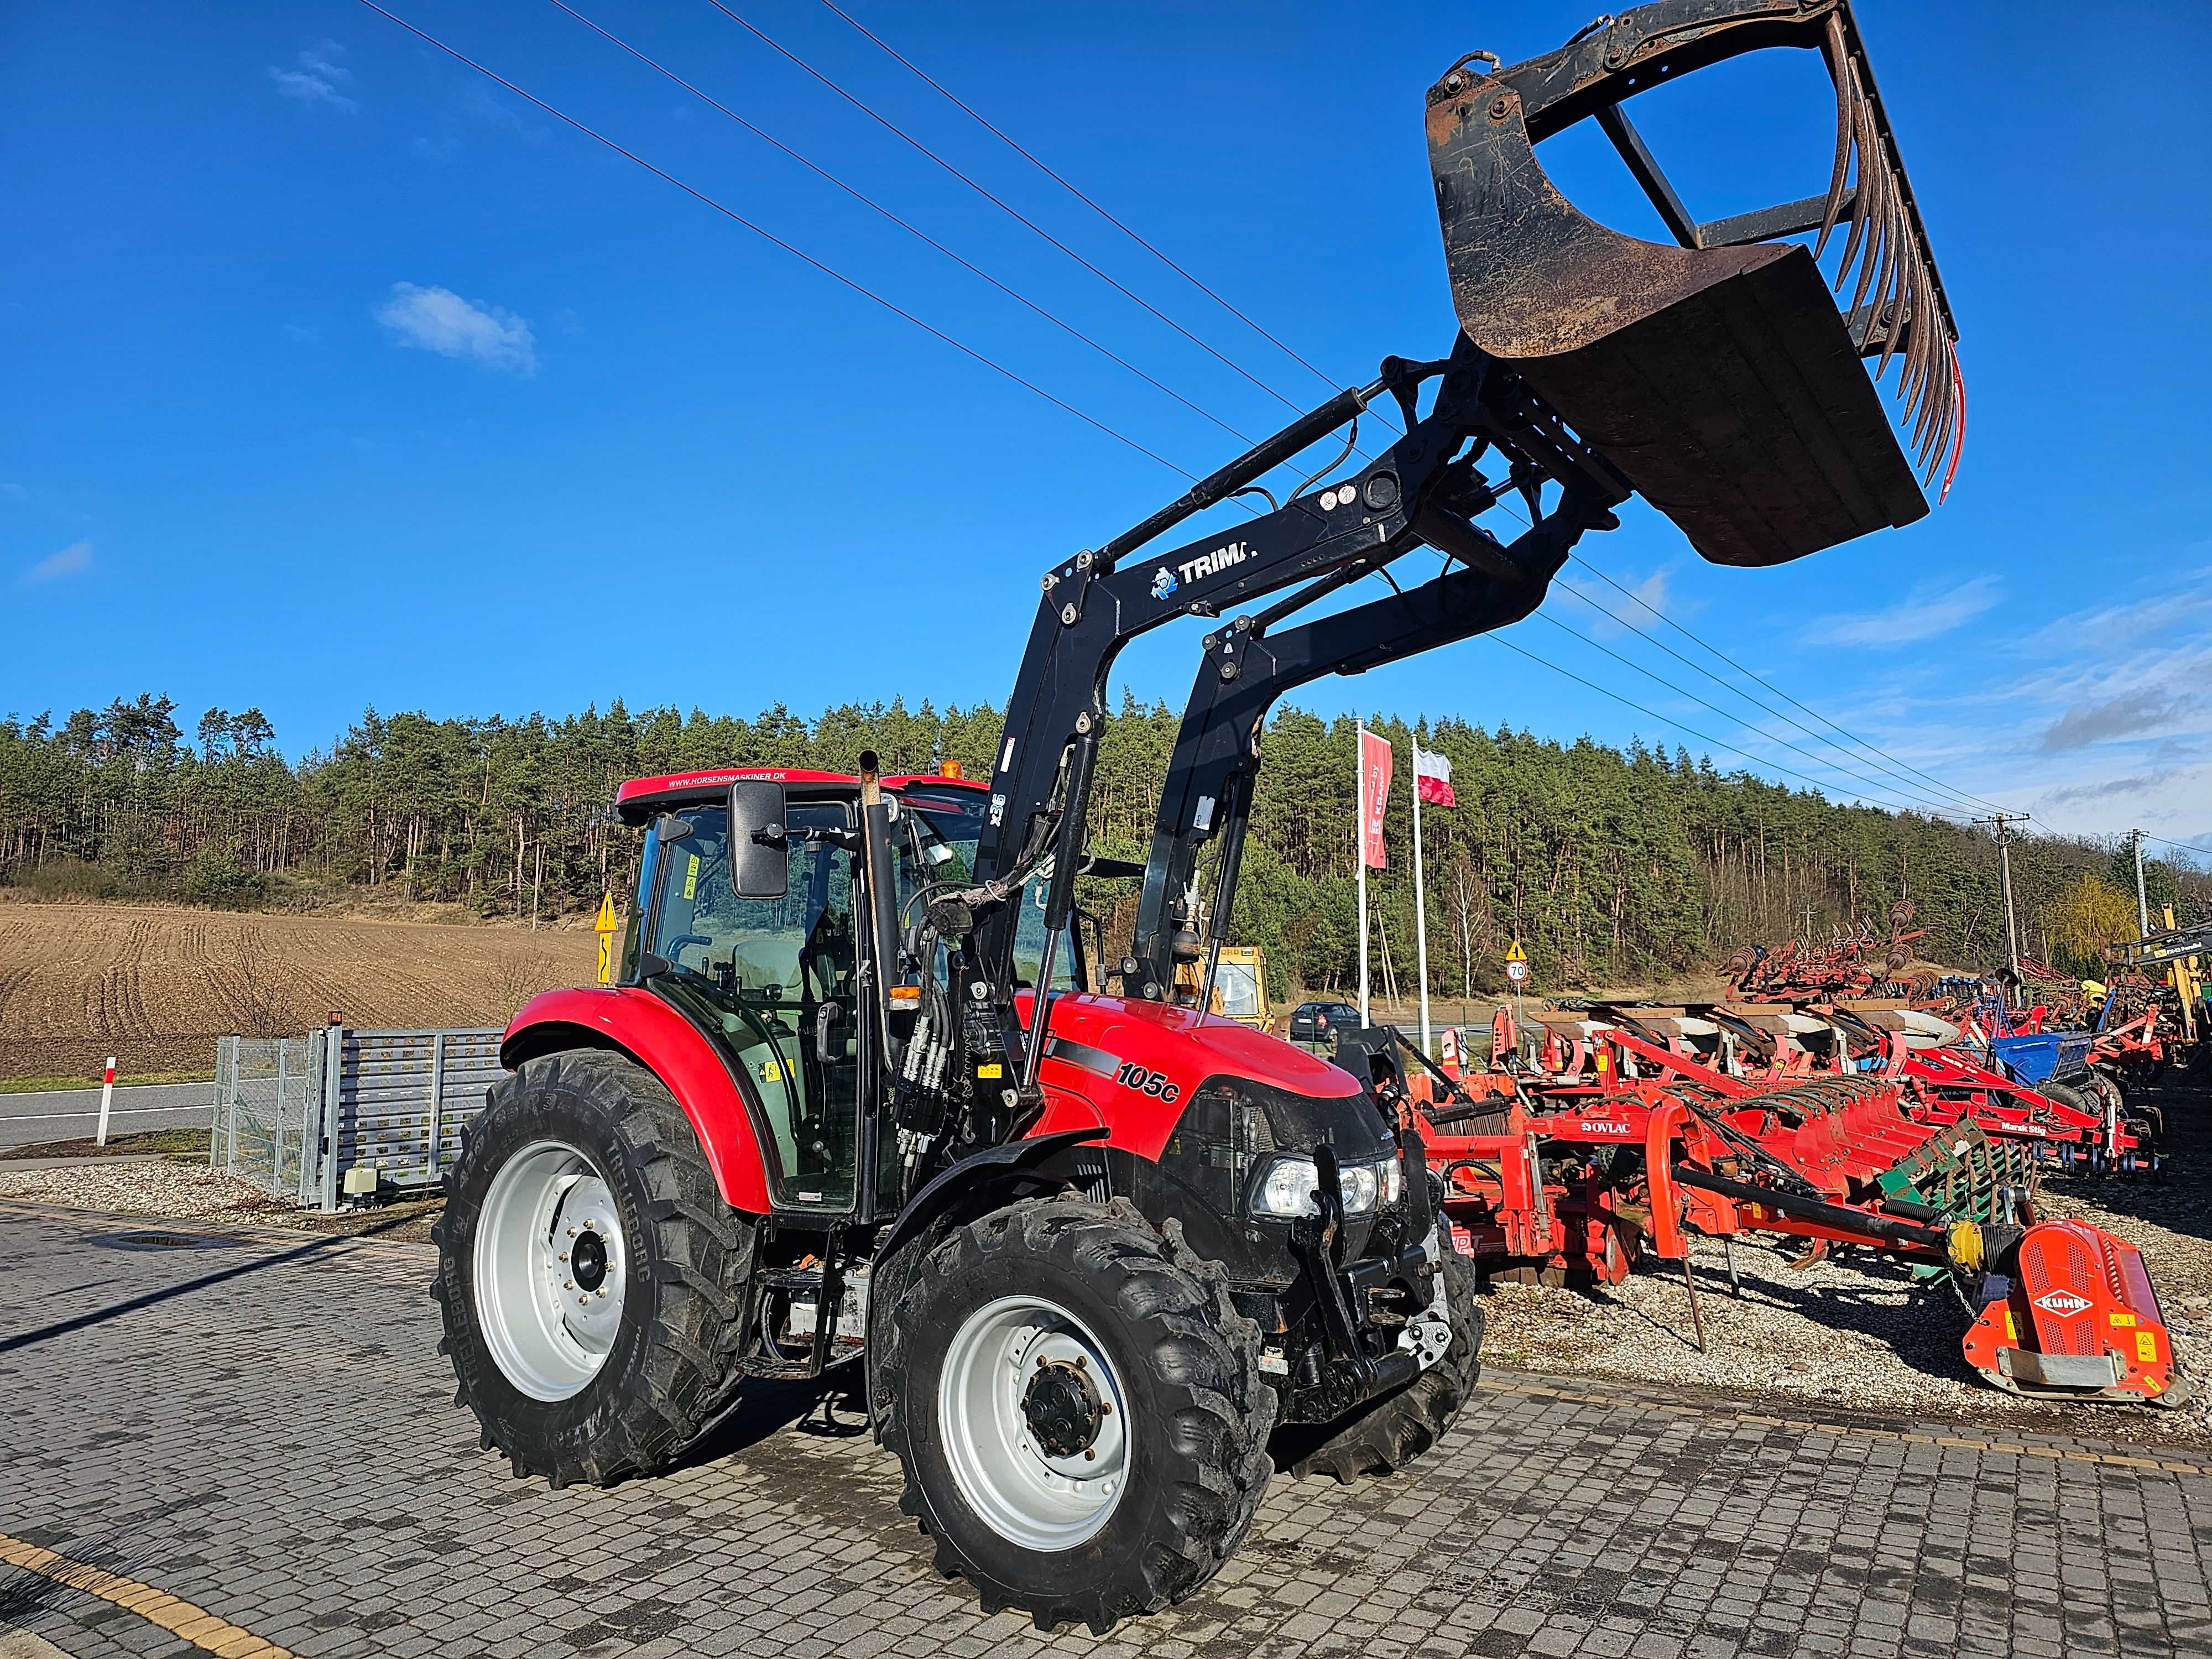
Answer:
(758, 867)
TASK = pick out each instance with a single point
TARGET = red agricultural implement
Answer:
(1573, 1175)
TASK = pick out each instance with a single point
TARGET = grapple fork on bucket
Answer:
(1720, 376)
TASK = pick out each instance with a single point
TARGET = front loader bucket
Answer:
(1720, 376)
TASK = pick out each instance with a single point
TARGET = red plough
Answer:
(1633, 1147)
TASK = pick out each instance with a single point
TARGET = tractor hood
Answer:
(1181, 1041)
(1136, 1066)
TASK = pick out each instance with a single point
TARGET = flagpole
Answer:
(1359, 852)
(1420, 900)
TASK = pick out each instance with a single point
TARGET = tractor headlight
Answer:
(1286, 1188)
(1393, 1181)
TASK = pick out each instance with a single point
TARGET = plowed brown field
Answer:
(154, 986)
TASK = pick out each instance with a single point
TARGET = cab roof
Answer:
(638, 796)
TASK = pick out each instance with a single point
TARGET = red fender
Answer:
(666, 1044)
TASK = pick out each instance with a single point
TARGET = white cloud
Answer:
(14, 492)
(316, 76)
(1652, 591)
(76, 556)
(302, 336)
(438, 319)
(2128, 716)
(1922, 614)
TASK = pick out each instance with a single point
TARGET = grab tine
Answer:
(1846, 80)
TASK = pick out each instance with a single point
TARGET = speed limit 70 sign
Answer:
(1516, 963)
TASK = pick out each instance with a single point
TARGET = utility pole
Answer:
(2142, 903)
(2001, 823)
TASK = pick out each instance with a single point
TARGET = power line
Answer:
(906, 137)
(766, 235)
(1950, 800)
(2202, 851)
(1959, 800)
(1654, 713)
(1890, 800)
(911, 230)
(1750, 674)
(1073, 190)
(2163, 841)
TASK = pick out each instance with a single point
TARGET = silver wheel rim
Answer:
(1026, 1495)
(551, 1265)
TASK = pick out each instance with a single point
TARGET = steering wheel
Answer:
(676, 946)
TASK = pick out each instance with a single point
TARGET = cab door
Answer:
(774, 983)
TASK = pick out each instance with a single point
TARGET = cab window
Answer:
(940, 846)
(1235, 990)
(773, 980)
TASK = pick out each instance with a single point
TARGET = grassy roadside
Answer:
(33, 1086)
(186, 1145)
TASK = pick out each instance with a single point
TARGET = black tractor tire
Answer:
(1198, 1410)
(673, 1364)
(2066, 1094)
(1385, 1435)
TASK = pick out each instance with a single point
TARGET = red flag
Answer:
(1375, 762)
(1432, 778)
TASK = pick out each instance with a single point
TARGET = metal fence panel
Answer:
(402, 1098)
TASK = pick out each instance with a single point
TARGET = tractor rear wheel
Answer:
(1384, 1436)
(591, 1277)
(1077, 1408)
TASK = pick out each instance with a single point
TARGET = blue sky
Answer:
(340, 376)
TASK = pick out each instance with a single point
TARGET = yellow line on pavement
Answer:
(2009, 1448)
(182, 1619)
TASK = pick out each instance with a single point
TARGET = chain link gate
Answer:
(269, 1112)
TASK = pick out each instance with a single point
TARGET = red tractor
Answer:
(861, 1093)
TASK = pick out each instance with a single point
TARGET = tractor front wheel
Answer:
(591, 1277)
(1077, 1408)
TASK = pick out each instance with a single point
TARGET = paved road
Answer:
(265, 1432)
(66, 1114)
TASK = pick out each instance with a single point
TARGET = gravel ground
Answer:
(176, 1190)
(1855, 1332)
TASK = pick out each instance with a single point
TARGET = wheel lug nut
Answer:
(1089, 1455)
(1105, 1408)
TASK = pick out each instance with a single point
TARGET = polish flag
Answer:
(1432, 778)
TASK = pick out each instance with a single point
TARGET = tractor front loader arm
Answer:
(1247, 666)
(1422, 489)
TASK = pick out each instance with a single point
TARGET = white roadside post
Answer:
(106, 1100)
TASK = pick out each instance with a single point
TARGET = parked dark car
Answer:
(1315, 1024)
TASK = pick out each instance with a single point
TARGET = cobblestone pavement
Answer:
(265, 1430)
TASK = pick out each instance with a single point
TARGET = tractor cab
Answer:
(774, 983)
